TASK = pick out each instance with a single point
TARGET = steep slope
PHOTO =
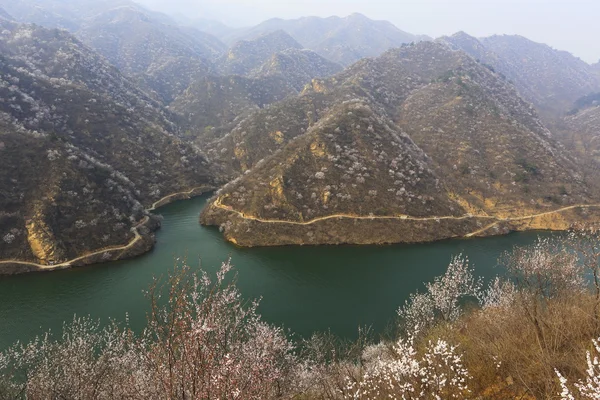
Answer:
(77, 160)
(298, 67)
(246, 56)
(5, 15)
(66, 59)
(161, 57)
(211, 104)
(342, 40)
(419, 144)
(581, 133)
(68, 14)
(266, 132)
(596, 69)
(552, 80)
(40, 14)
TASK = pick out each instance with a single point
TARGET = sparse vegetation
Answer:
(419, 143)
(81, 134)
(525, 334)
(474, 136)
(552, 80)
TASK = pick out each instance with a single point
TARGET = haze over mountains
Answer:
(552, 80)
(5, 15)
(323, 130)
(342, 40)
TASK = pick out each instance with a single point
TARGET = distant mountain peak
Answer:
(213, 27)
(341, 40)
(246, 56)
(161, 57)
(463, 35)
(298, 67)
(358, 16)
(280, 36)
(124, 13)
(550, 79)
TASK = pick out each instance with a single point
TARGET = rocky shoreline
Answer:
(142, 242)
(246, 231)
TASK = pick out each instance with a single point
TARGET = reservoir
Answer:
(303, 288)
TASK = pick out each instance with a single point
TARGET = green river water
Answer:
(305, 289)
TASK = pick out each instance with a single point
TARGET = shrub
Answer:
(203, 342)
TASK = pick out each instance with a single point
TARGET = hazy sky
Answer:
(572, 25)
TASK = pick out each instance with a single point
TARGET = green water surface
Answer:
(305, 289)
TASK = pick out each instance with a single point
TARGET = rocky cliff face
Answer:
(83, 151)
(417, 137)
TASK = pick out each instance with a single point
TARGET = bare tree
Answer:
(542, 271)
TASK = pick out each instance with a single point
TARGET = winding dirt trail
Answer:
(137, 237)
(496, 219)
(218, 204)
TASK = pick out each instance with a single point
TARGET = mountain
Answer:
(422, 143)
(69, 14)
(65, 58)
(582, 131)
(246, 56)
(40, 14)
(211, 26)
(212, 104)
(83, 152)
(579, 131)
(163, 58)
(147, 46)
(275, 67)
(298, 67)
(596, 69)
(5, 15)
(552, 80)
(341, 40)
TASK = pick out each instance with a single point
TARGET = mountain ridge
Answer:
(75, 157)
(552, 80)
(245, 56)
(298, 67)
(369, 116)
(162, 58)
(341, 40)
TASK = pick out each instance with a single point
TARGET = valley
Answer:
(299, 200)
(307, 140)
(302, 289)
